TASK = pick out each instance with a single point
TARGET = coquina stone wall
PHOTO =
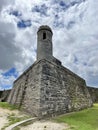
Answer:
(49, 89)
(26, 90)
(94, 93)
(61, 90)
(4, 95)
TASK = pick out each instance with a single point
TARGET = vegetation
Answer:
(83, 120)
(6, 105)
(16, 128)
(12, 118)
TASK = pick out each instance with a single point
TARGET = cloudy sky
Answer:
(75, 36)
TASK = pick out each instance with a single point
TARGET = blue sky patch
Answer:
(63, 5)
(11, 72)
(24, 23)
(6, 87)
(15, 13)
(42, 9)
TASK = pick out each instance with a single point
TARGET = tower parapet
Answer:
(44, 43)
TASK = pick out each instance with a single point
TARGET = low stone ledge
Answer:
(11, 127)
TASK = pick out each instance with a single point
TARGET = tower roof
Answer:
(45, 27)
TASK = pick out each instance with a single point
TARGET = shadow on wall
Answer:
(4, 95)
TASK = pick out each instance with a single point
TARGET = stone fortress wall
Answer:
(47, 88)
(94, 93)
(4, 95)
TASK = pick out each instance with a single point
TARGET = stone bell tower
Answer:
(47, 88)
(44, 43)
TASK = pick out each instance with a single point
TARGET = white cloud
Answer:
(6, 82)
(75, 38)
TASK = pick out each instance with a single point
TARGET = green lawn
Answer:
(82, 120)
(6, 105)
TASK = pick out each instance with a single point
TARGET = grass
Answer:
(83, 120)
(12, 118)
(16, 128)
(6, 105)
